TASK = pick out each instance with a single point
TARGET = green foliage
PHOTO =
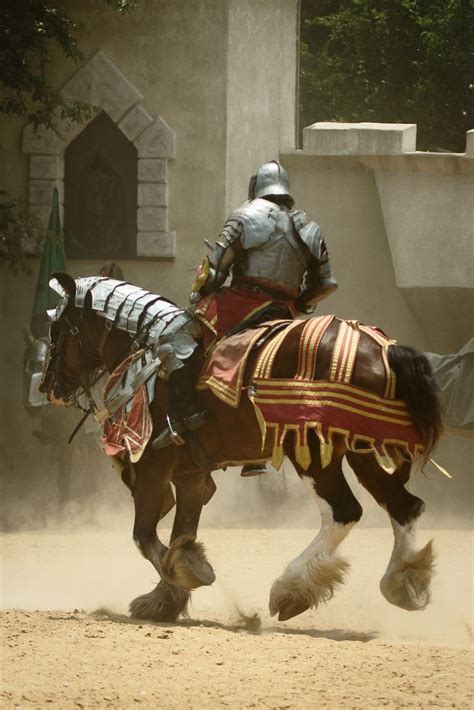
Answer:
(19, 224)
(30, 32)
(394, 61)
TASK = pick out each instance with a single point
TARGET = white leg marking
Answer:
(330, 535)
(313, 576)
(406, 582)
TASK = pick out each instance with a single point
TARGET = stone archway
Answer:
(99, 83)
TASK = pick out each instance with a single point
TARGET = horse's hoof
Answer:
(288, 611)
(163, 604)
(202, 572)
(185, 564)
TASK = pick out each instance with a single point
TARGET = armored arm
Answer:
(215, 268)
(318, 281)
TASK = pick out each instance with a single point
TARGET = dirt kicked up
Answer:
(357, 651)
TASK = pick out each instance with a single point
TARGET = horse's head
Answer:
(73, 356)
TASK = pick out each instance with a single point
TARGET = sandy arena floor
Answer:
(356, 652)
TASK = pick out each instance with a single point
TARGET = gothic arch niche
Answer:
(100, 193)
(100, 84)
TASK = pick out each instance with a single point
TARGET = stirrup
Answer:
(170, 435)
(253, 469)
(196, 420)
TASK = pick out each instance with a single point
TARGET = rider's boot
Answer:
(184, 412)
(253, 469)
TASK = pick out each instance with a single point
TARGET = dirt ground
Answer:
(355, 652)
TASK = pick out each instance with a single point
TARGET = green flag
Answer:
(52, 259)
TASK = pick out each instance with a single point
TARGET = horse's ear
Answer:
(62, 283)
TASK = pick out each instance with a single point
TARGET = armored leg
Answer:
(327, 282)
(184, 412)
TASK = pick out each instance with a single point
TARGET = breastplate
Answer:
(279, 261)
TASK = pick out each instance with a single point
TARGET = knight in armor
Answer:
(279, 267)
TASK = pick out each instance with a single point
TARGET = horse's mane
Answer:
(125, 306)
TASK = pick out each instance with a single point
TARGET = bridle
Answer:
(55, 382)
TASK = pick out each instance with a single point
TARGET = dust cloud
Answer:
(67, 544)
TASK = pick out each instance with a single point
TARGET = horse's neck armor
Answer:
(126, 306)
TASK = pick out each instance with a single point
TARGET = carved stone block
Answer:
(43, 141)
(99, 83)
(157, 141)
(152, 170)
(135, 122)
(46, 167)
(152, 194)
(41, 191)
(151, 219)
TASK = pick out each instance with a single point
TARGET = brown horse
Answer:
(232, 436)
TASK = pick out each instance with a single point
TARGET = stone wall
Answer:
(174, 76)
(400, 232)
(400, 227)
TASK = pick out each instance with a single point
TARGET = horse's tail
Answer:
(416, 386)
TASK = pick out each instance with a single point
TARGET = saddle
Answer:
(224, 368)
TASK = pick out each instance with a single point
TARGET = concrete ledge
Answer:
(326, 138)
(156, 244)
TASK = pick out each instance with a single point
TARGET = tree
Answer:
(394, 61)
(29, 32)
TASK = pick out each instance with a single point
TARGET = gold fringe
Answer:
(440, 468)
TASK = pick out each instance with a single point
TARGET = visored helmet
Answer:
(270, 179)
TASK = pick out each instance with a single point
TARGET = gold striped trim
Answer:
(351, 356)
(311, 337)
(306, 398)
(266, 359)
(336, 353)
(275, 385)
(344, 353)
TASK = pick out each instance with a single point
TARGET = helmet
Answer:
(270, 179)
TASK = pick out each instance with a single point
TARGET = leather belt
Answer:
(253, 288)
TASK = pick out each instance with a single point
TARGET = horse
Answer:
(82, 342)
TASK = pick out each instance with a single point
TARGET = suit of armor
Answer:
(279, 265)
(273, 249)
